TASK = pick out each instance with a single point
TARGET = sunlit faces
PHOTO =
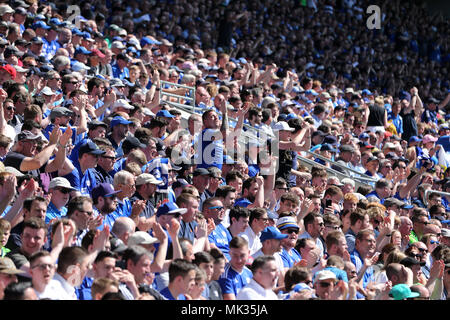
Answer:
(239, 257)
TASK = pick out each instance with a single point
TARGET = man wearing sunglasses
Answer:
(59, 189)
(220, 237)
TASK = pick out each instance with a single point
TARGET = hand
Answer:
(368, 262)
(100, 239)
(201, 230)
(137, 207)
(27, 189)
(58, 237)
(340, 291)
(159, 233)
(211, 225)
(173, 228)
(96, 222)
(9, 187)
(3, 95)
(66, 136)
(437, 269)
(55, 135)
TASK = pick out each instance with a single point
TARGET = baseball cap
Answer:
(60, 182)
(410, 261)
(201, 172)
(7, 266)
(282, 126)
(145, 178)
(131, 142)
(122, 103)
(327, 147)
(47, 91)
(141, 237)
(165, 114)
(27, 135)
(347, 148)
(402, 291)
(60, 112)
(89, 147)
(414, 139)
(363, 135)
(179, 183)
(272, 233)
(82, 50)
(95, 123)
(428, 138)
(372, 158)
(324, 275)
(119, 120)
(366, 145)
(98, 53)
(445, 232)
(103, 190)
(287, 222)
(169, 208)
(10, 69)
(40, 24)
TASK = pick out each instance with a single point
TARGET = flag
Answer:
(159, 167)
(443, 158)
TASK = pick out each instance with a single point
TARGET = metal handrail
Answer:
(362, 175)
(191, 108)
(433, 191)
(340, 175)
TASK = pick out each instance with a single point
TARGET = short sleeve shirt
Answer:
(231, 281)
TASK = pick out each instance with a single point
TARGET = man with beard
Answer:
(119, 130)
(289, 255)
(252, 193)
(105, 203)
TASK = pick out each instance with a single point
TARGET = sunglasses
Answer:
(10, 108)
(333, 227)
(89, 213)
(423, 250)
(216, 207)
(110, 158)
(324, 284)
(44, 266)
(434, 242)
(289, 231)
(415, 256)
(65, 191)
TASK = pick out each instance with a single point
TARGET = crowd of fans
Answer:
(223, 150)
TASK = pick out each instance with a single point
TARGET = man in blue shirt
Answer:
(181, 280)
(104, 198)
(396, 118)
(120, 69)
(289, 255)
(59, 189)
(236, 274)
(365, 247)
(382, 190)
(82, 177)
(220, 237)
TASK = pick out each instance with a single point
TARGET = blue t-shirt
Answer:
(166, 293)
(290, 258)
(211, 151)
(53, 213)
(84, 183)
(232, 281)
(221, 237)
(242, 202)
(83, 292)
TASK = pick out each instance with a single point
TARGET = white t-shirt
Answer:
(254, 291)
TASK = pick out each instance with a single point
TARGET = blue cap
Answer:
(272, 233)
(363, 135)
(82, 50)
(366, 91)
(242, 60)
(86, 35)
(169, 208)
(40, 24)
(407, 206)
(414, 139)
(328, 147)
(165, 114)
(314, 93)
(147, 40)
(445, 221)
(77, 32)
(291, 116)
(119, 120)
(332, 140)
(89, 147)
(103, 190)
(55, 21)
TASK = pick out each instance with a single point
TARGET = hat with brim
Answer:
(104, 190)
(7, 266)
(169, 208)
(91, 148)
(325, 275)
(27, 135)
(272, 233)
(402, 291)
(119, 120)
(201, 172)
(410, 261)
(145, 178)
(60, 182)
(287, 222)
(141, 237)
(282, 126)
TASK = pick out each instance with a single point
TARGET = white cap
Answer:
(282, 126)
(47, 91)
(287, 103)
(117, 45)
(122, 103)
(141, 237)
(324, 275)
(60, 182)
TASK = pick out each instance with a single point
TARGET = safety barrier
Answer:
(434, 191)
